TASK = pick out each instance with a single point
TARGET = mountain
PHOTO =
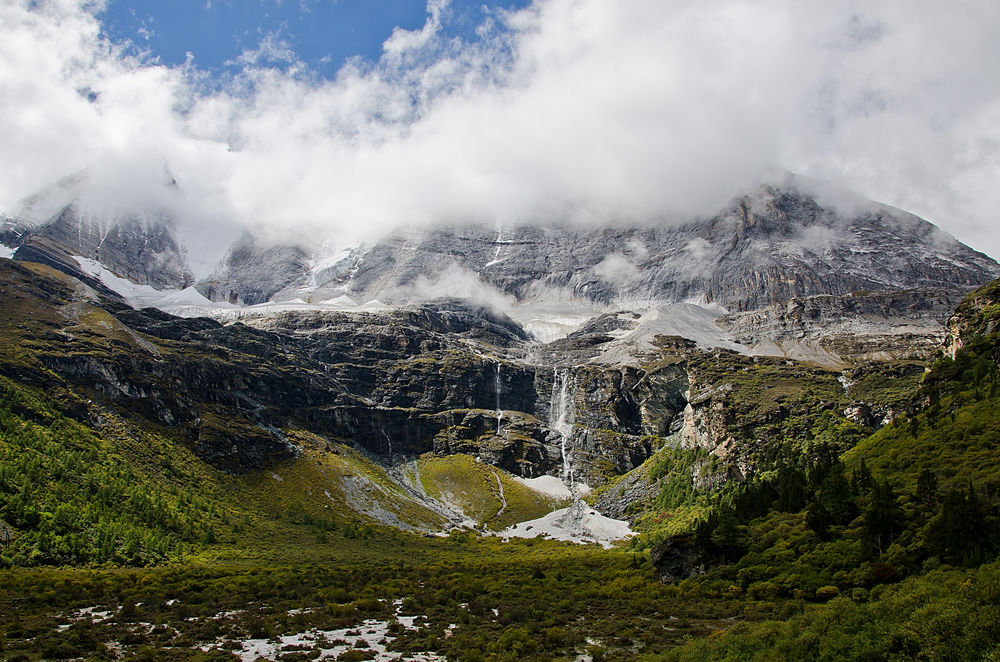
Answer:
(766, 247)
(793, 240)
(135, 241)
(272, 463)
(250, 274)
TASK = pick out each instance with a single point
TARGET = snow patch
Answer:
(342, 300)
(551, 486)
(372, 634)
(139, 296)
(7, 251)
(561, 524)
(187, 302)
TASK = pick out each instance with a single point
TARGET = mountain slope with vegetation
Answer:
(915, 501)
(173, 489)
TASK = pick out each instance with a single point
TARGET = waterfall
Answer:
(560, 419)
(559, 416)
(498, 387)
(579, 522)
(388, 441)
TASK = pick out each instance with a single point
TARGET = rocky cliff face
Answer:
(443, 377)
(251, 273)
(138, 246)
(977, 316)
(840, 329)
(135, 242)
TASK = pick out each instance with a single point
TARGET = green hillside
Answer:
(900, 533)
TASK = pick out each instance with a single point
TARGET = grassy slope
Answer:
(472, 487)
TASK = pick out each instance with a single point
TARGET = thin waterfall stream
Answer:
(561, 414)
(499, 386)
(579, 522)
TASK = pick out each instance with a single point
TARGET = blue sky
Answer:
(322, 33)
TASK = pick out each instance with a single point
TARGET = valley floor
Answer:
(400, 597)
(387, 596)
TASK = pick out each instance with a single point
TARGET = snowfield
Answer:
(585, 526)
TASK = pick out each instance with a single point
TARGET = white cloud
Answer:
(272, 49)
(616, 268)
(581, 109)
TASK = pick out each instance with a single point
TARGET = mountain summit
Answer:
(779, 242)
(765, 247)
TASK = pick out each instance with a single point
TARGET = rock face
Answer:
(681, 557)
(251, 274)
(977, 316)
(766, 247)
(13, 231)
(138, 246)
(856, 326)
(443, 376)
(136, 242)
(44, 251)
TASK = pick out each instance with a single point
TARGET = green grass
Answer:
(473, 487)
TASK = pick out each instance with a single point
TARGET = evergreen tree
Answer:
(862, 480)
(836, 497)
(818, 519)
(884, 517)
(727, 537)
(958, 534)
(927, 487)
(791, 489)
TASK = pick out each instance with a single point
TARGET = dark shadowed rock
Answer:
(251, 273)
(680, 557)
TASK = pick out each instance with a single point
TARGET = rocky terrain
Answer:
(766, 247)
(834, 309)
(838, 329)
(442, 377)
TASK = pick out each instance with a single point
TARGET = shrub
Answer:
(825, 593)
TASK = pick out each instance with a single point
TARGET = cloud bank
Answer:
(583, 110)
